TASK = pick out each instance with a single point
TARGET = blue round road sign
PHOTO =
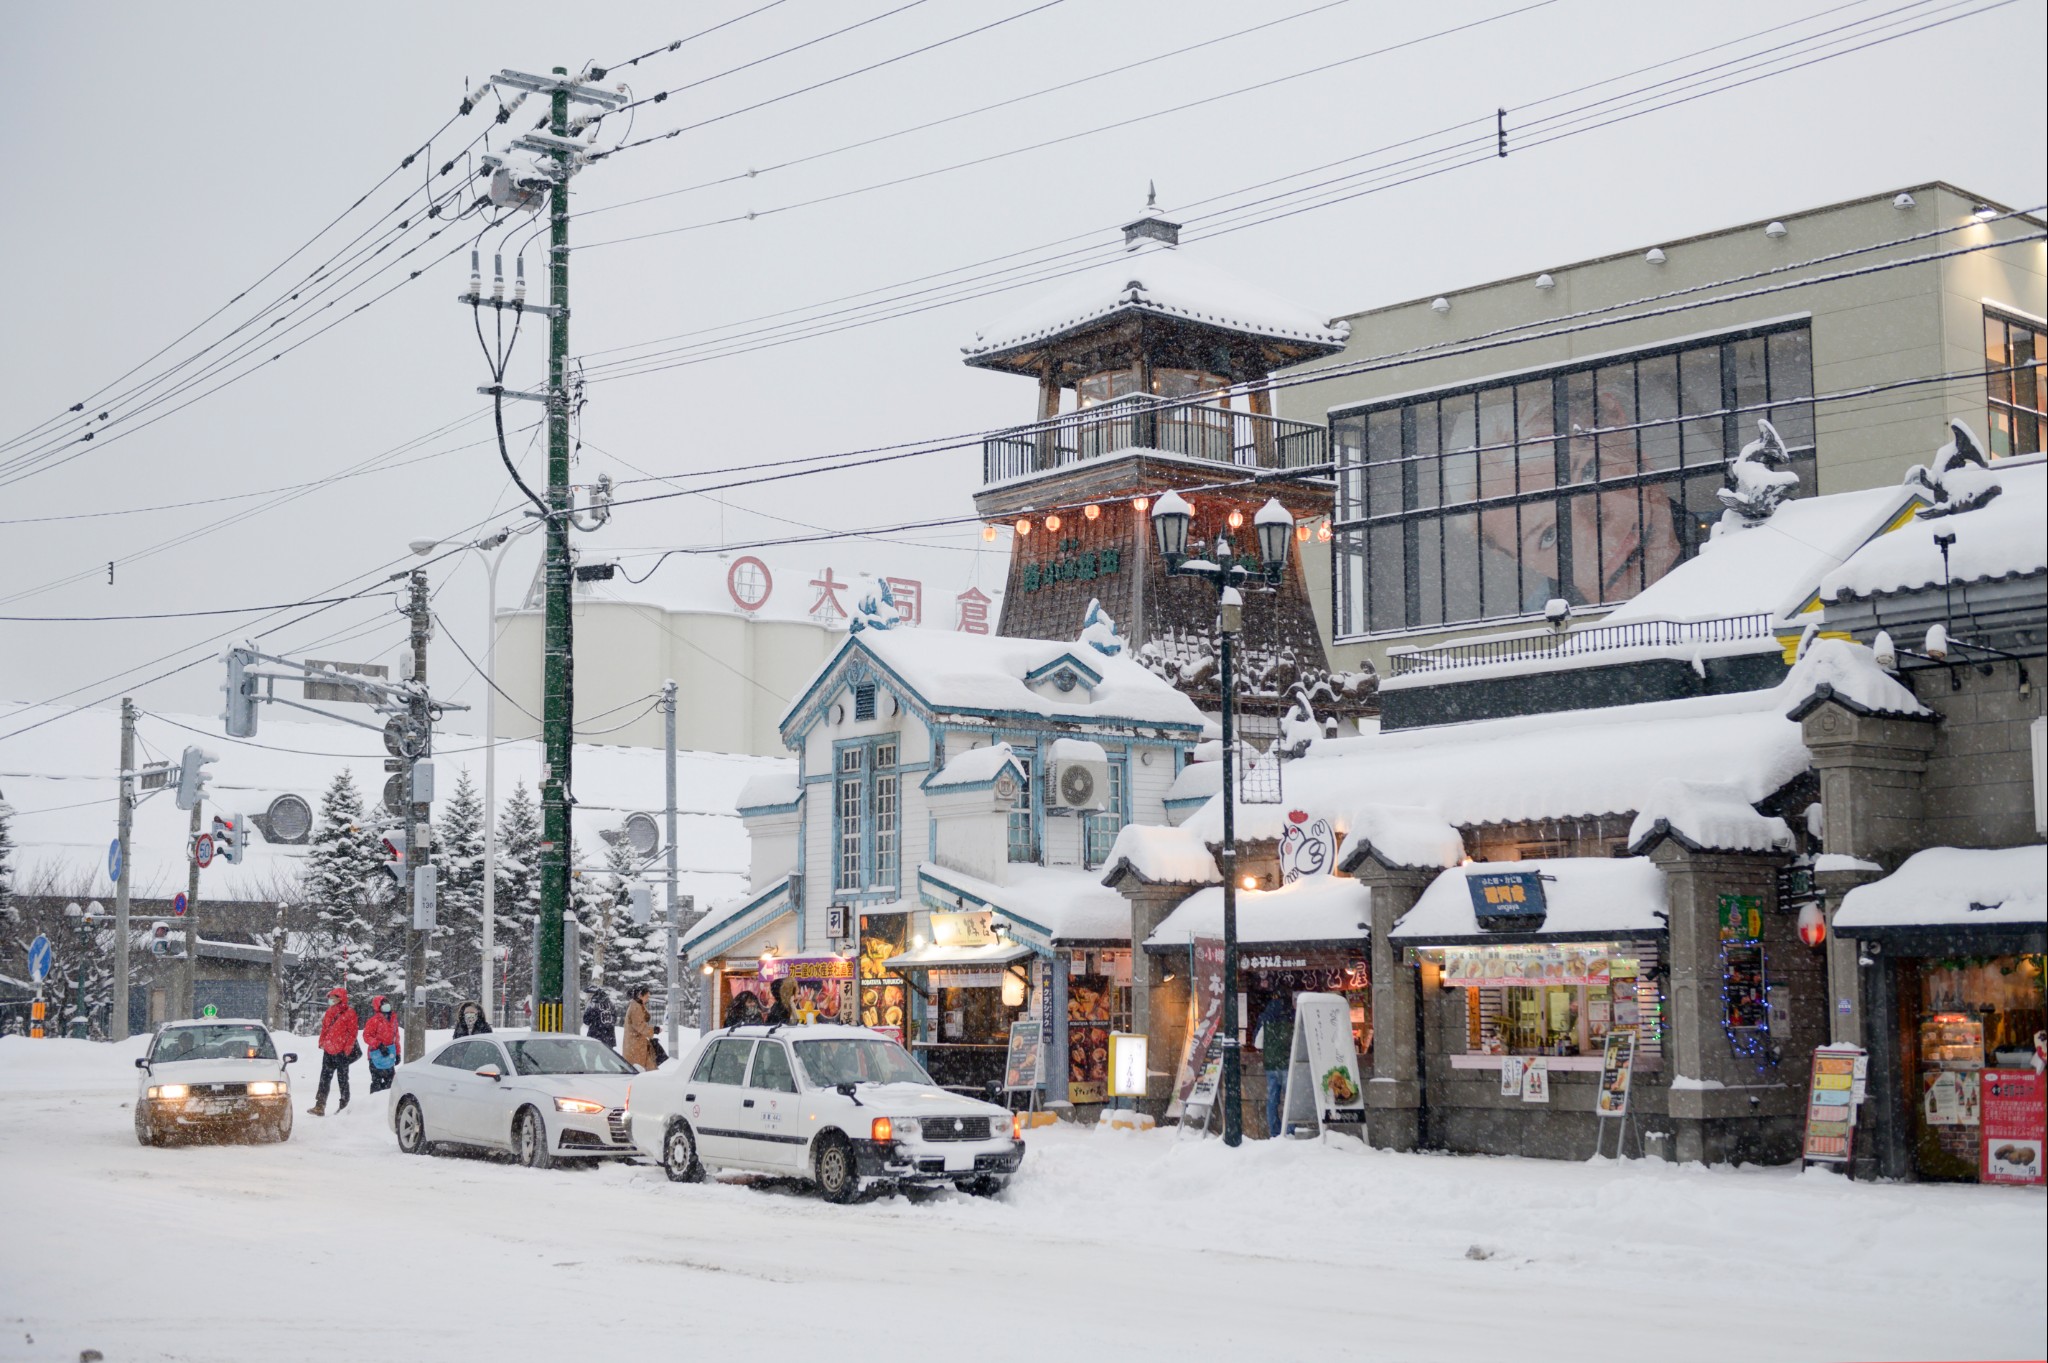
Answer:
(114, 861)
(39, 959)
(178, 903)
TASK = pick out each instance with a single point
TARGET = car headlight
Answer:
(168, 1090)
(266, 1088)
(906, 1129)
(583, 1105)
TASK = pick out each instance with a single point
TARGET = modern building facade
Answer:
(1562, 435)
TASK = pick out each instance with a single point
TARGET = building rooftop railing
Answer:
(1136, 421)
(1548, 645)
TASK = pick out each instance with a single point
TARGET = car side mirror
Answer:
(290, 1058)
(488, 1072)
(141, 1062)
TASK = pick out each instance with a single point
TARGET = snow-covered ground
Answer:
(1109, 1245)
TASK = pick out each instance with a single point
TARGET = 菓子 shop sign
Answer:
(1506, 901)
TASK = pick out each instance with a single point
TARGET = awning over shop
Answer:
(1044, 906)
(1953, 890)
(1312, 909)
(1583, 899)
(936, 957)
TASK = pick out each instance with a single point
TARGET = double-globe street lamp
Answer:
(1274, 527)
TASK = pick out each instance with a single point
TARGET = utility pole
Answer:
(419, 842)
(672, 1011)
(188, 971)
(118, 1024)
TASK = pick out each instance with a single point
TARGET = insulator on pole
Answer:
(476, 276)
(519, 280)
(498, 277)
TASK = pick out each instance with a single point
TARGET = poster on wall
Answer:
(814, 987)
(1831, 1103)
(2011, 1120)
(1510, 1076)
(1022, 1067)
(1089, 999)
(1536, 1080)
(1323, 1084)
(883, 999)
(1205, 1016)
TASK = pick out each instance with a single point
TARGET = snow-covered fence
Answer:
(1544, 644)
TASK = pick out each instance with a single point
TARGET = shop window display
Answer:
(884, 1002)
(1098, 1003)
(1556, 1000)
(1973, 1014)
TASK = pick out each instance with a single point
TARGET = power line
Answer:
(172, 615)
(599, 73)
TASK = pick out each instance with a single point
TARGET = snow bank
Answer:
(1312, 909)
(1953, 887)
(1618, 895)
(1846, 671)
(1706, 817)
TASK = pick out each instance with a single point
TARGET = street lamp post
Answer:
(1171, 516)
(82, 924)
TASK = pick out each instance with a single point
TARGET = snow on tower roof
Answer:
(2005, 537)
(1166, 281)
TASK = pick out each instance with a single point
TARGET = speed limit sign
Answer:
(202, 850)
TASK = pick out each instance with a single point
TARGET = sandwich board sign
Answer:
(1021, 1067)
(1323, 1084)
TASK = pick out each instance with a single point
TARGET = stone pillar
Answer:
(1871, 769)
(1159, 1005)
(1394, 1091)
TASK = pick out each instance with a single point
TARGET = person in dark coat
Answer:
(778, 1012)
(380, 1039)
(469, 1019)
(1275, 1041)
(338, 1029)
(598, 1023)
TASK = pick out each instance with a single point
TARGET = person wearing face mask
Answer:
(380, 1039)
(469, 1019)
(337, 1048)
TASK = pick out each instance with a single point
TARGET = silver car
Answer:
(542, 1096)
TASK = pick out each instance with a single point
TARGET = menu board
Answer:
(883, 1000)
(1495, 967)
(1617, 1068)
(1089, 998)
(1831, 1099)
(2012, 1120)
(1322, 1037)
(1022, 1068)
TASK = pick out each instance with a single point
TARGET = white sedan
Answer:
(543, 1096)
(210, 1077)
(844, 1107)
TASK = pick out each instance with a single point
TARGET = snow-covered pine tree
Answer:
(589, 900)
(518, 907)
(340, 879)
(633, 956)
(459, 855)
(1757, 480)
(6, 862)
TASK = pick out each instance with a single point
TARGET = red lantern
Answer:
(1813, 925)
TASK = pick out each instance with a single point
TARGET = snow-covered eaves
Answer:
(1953, 887)
(1167, 282)
(2002, 539)
(1400, 837)
(1702, 817)
(1045, 906)
(976, 769)
(1335, 909)
(1847, 673)
(1584, 897)
(770, 792)
(735, 919)
(1151, 855)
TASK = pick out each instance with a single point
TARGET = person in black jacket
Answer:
(469, 1019)
(598, 1022)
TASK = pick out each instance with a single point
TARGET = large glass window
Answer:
(2016, 375)
(869, 808)
(1023, 815)
(1587, 483)
(852, 803)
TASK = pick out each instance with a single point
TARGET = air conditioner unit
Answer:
(1080, 783)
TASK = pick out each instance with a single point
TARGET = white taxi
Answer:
(844, 1107)
(212, 1077)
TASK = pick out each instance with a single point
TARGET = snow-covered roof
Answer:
(1772, 567)
(770, 790)
(2005, 537)
(1582, 895)
(1845, 671)
(1312, 909)
(1401, 835)
(983, 676)
(1170, 282)
(728, 919)
(1196, 781)
(932, 956)
(1160, 856)
(1953, 887)
(1045, 904)
(1704, 816)
(975, 767)
(61, 780)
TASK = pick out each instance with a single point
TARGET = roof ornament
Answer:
(1151, 225)
(1954, 495)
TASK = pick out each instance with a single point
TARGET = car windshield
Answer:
(566, 1055)
(229, 1041)
(828, 1064)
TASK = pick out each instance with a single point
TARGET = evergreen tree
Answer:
(518, 907)
(6, 862)
(341, 880)
(633, 955)
(589, 897)
(459, 856)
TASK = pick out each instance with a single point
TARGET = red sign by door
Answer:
(2011, 1120)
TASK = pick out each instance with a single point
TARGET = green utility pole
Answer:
(558, 680)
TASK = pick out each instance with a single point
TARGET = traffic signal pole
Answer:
(419, 842)
(558, 680)
(188, 973)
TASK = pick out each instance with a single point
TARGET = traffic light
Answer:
(230, 837)
(192, 776)
(394, 855)
(159, 938)
(240, 712)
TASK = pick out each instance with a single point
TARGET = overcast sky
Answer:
(164, 157)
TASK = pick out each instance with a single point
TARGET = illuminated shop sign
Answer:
(1506, 901)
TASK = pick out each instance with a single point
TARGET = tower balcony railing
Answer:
(1138, 421)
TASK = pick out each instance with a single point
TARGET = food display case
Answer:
(1949, 1091)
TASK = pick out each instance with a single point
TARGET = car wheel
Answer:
(412, 1127)
(145, 1134)
(679, 1154)
(917, 1196)
(281, 1129)
(530, 1140)
(837, 1177)
(980, 1187)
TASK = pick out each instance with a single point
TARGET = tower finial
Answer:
(1151, 194)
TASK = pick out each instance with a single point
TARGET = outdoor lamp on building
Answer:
(1171, 517)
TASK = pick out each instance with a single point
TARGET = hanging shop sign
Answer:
(1506, 901)
(1023, 1067)
(962, 930)
(883, 999)
(1074, 565)
(1560, 963)
(2012, 1121)
(1617, 1068)
(1832, 1098)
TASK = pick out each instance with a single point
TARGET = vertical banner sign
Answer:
(1205, 1016)
(1617, 1067)
(1831, 1103)
(2011, 1121)
(1021, 1068)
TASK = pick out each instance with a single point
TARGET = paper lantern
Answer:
(1813, 925)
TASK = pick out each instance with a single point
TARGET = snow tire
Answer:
(679, 1154)
(530, 1140)
(412, 1127)
(836, 1174)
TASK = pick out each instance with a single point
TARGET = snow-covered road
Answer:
(1110, 1244)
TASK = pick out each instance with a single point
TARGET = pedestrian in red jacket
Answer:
(380, 1043)
(337, 1048)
